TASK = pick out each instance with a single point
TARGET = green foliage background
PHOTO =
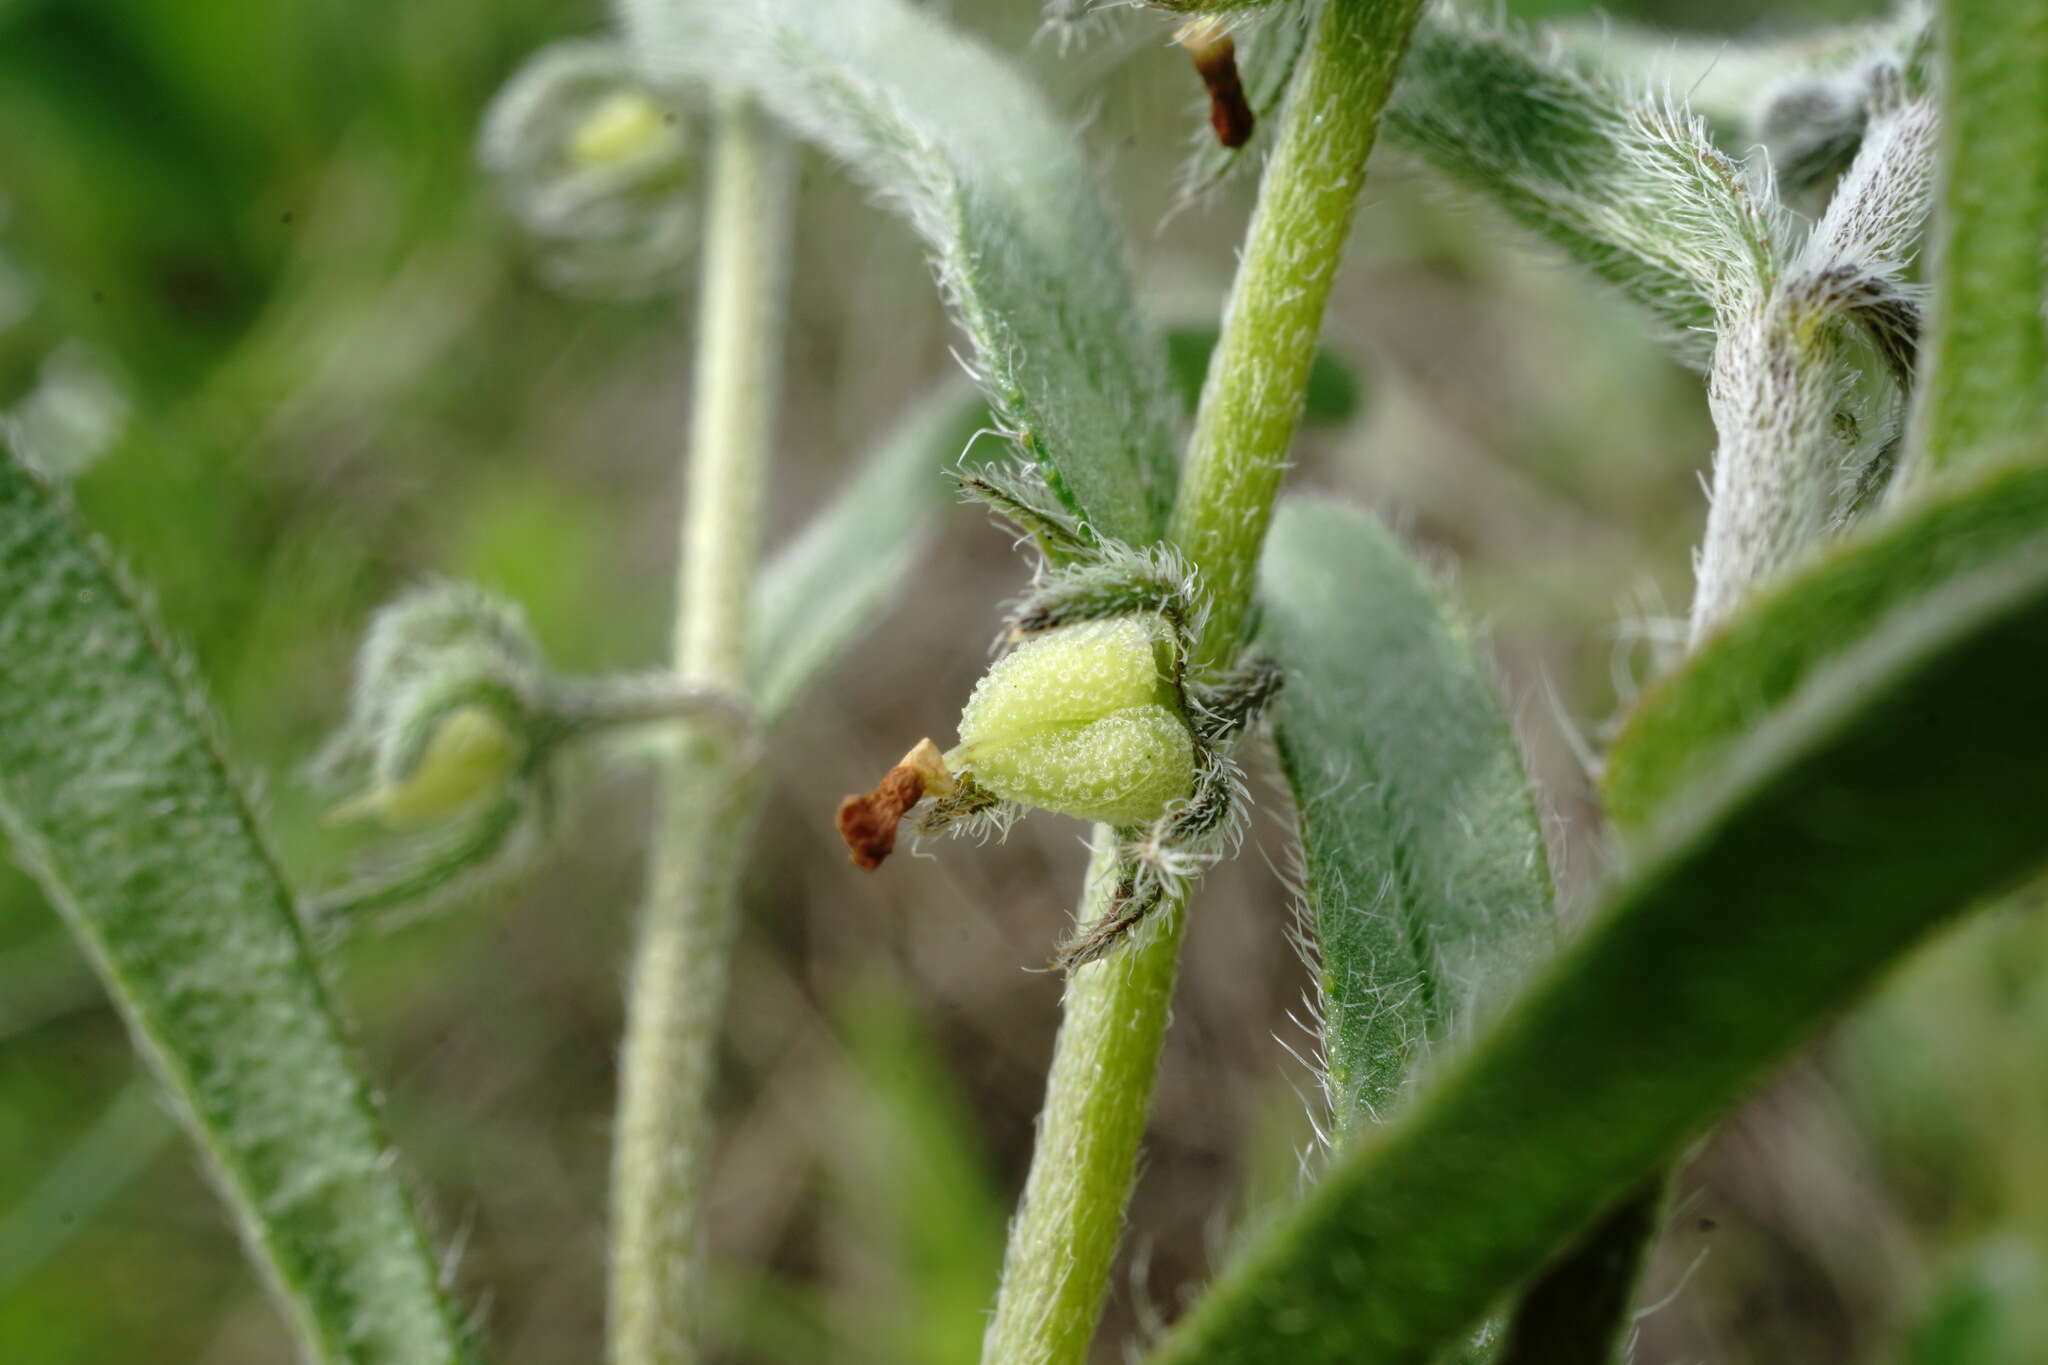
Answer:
(267, 223)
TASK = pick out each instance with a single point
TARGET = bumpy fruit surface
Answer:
(1082, 721)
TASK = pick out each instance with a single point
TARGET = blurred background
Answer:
(257, 296)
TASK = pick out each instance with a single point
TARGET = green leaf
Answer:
(1425, 870)
(1215, 6)
(849, 563)
(974, 157)
(1986, 357)
(115, 794)
(104, 1160)
(1898, 786)
(914, 1176)
(1730, 80)
(1986, 1310)
(1689, 720)
(1633, 190)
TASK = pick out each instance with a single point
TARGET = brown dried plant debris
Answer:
(1230, 112)
(868, 822)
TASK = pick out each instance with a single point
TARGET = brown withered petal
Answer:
(868, 823)
(1230, 113)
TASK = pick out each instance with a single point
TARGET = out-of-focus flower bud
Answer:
(1084, 721)
(456, 724)
(444, 765)
(448, 705)
(597, 169)
(427, 645)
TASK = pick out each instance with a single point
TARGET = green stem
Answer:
(1105, 1059)
(1252, 399)
(1063, 1242)
(708, 800)
(1986, 359)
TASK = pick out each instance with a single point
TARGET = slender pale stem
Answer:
(1985, 363)
(708, 797)
(1099, 1091)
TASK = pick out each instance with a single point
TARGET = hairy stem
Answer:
(1063, 1242)
(708, 800)
(1986, 359)
(1252, 399)
(1100, 1087)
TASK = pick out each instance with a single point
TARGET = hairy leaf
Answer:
(1427, 881)
(1899, 785)
(115, 794)
(1687, 722)
(1734, 81)
(1795, 453)
(1630, 188)
(1024, 246)
(844, 568)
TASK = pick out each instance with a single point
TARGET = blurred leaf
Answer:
(1689, 720)
(849, 564)
(1632, 189)
(1215, 6)
(920, 1183)
(1986, 1311)
(114, 791)
(775, 1317)
(43, 980)
(1900, 785)
(122, 193)
(973, 156)
(1334, 392)
(1426, 874)
(107, 1156)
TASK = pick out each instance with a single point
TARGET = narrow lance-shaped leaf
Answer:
(841, 571)
(984, 169)
(1424, 867)
(1629, 188)
(1779, 889)
(115, 794)
(1730, 80)
(100, 1163)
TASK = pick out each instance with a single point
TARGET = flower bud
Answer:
(451, 717)
(596, 167)
(445, 765)
(1082, 720)
(447, 702)
(625, 128)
